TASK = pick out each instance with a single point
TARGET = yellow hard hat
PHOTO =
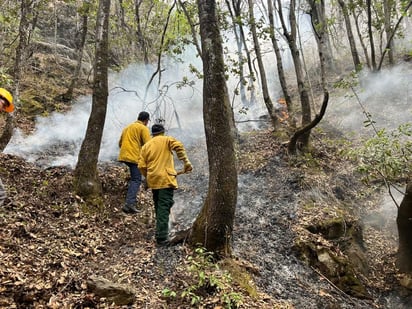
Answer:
(9, 98)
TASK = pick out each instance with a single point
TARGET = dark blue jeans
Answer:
(134, 183)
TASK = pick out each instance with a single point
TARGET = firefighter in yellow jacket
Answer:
(157, 165)
(6, 105)
(133, 137)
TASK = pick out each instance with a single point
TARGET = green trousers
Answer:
(163, 201)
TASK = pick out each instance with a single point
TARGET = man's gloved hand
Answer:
(188, 166)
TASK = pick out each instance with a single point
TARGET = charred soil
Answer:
(52, 241)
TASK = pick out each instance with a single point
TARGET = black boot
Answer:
(130, 209)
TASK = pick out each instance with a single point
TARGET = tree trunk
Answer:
(141, 41)
(86, 182)
(266, 97)
(242, 80)
(359, 33)
(302, 88)
(214, 226)
(7, 133)
(404, 223)
(388, 44)
(388, 6)
(247, 81)
(370, 33)
(319, 23)
(319, 33)
(21, 50)
(251, 77)
(351, 39)
(81, 40)
(279, 63)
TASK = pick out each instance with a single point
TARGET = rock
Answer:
(114, 292)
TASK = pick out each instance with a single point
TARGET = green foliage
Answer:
(205, 278)
(5, 79)
(387, 155)
(346, 83)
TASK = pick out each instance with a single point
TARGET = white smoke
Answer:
(385, 96)
(56, 139)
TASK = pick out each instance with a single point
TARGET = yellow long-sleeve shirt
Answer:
(156, 161)
(133, 137)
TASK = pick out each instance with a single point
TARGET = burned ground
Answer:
(52, 241)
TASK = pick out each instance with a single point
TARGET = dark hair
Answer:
(157, 129)
(143, 116)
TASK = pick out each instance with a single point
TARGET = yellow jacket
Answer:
(156, 161)
(133, 137)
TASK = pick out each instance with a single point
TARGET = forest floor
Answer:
(52, 243)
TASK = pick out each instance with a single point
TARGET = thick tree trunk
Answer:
(404, 222)
(86, 182)
(214, 226)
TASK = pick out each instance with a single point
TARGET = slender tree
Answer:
(290, 33)
(279, 62)
(246, 81)
(214, 226)
(28, 19)
(370, 33)
(263, 80)
(357, 16)
(86, 180)
(80, 43)
(141, 40)
(349, 33)
(320, 23)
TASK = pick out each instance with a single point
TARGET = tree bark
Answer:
(242, 80)
(279, 63)
(141, 41)
(388, 6)
(266, 97)
(319, 24)
(237, 8)
(7, 133)
(370, 33)
(404, 223)
(359, 33)
(81, 40)
(349, 32)
(86, 182)
(214, 226)
(302, 87)
(28, 21)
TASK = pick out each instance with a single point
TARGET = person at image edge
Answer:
(6, 105)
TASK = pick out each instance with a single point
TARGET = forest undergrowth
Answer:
(52, 242)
